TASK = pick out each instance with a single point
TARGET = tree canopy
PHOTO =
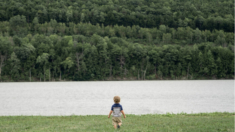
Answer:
(108, 39)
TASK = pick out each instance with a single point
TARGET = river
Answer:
(96, 97)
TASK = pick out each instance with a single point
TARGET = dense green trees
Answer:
(107, 39)
(148, 36)
(207, 14)
(87, 58)
(5, 50)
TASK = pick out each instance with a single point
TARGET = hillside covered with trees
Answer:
(51, 40)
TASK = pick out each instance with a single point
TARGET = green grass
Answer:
(203, 122)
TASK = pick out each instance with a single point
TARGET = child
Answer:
(116, 109)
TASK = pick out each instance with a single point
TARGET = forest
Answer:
(52, 40)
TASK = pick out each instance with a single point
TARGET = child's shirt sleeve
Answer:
(118, 106)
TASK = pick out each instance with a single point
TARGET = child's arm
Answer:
(110, 113)
(123, 114)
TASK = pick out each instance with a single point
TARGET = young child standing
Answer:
(116, 109)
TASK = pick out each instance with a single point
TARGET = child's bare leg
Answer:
(115, 126)
(120, 124)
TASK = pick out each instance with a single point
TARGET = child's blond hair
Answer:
(116, 99)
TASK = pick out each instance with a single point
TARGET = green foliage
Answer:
(18, 26)
(43, 59)
(195, 14)
(80, 58)
(68, 63)
(99, 40)
(15, 66)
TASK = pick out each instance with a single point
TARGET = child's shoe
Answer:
(118, 127)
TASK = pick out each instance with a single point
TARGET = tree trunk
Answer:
(78, 57)
(77, 61)
(121, 71)
(0, 70)
(30, 75)
(144, 75)
(1, 65)
(44, 75)
(138, 75)
(110, 71)
(54, 74)
(142, 71)
(145, 72)
(188, 71)
(49, 74)
(60, 75)
(145, 69)
(155, 71)
(121, 65)
(0, 74)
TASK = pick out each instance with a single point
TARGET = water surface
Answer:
(96, 98)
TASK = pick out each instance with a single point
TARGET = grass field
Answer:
(203, 122)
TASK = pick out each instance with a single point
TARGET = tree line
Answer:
(47, 40)
(204, 15)
(162, 35)
(77, 57)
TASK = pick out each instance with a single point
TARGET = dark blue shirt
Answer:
(116, 108)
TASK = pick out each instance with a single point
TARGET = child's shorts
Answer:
(116, 120)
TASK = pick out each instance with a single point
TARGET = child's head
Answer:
(116, 99)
